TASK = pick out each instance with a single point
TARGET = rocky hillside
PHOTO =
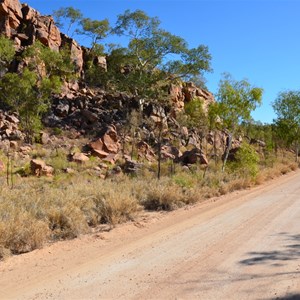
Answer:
(96, 113)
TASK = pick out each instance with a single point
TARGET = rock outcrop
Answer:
(11, 17)
(24, 25)
(9, 127)
(191, 91)
(42, 28)
(81, 110)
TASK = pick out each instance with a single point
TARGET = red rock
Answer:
(170, 152)
(111, 158)
(191, 91)
(80, 157)
(110, 143)
(100, 153)
(107, 144)
(177, 97)
(25, 149)
(43, 28)
(47, 171)
(10, 16)
(97, 144)
(145, 151)
(12, 119)
(39, 168)
(193, 156)
(36, 166)
(44, 138)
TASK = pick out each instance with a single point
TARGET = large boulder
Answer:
(80, 158)
(107, 145)
(40, 168)
(193, 156)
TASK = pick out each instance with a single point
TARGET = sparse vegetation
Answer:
(128, 90)
(42, 210)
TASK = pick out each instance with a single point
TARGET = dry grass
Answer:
(163, 195)
(40, 210)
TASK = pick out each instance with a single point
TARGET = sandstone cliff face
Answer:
(42, 28)
(10, 16)
(24, 25)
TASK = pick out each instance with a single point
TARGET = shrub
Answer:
(162, 195)
(115, 205)
(22, 233)
(246, 161)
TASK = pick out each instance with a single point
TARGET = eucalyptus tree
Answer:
(152, 60)
(235, 102)
(67, 17)
(287, 108)
(96, 30)
(154, 56)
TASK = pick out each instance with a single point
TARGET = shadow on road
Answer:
(289, 251)
(288, 297)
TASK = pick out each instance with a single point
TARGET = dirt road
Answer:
(242, 246)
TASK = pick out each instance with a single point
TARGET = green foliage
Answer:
(236, 101)
(246, 161)
(184, 180)
(7, 52)
(287, 125)
(196, 115)
(67, 15)
(286, 133)
(48, 63)
(96, 30)
(135, 24)
(29, 92)
(287, 106)
(57, 131)
(154, 57)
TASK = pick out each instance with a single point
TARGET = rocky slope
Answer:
(95, 112)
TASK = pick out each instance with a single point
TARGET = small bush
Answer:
(115, 205)
(246, 161)
(163, 195)
(22, 233)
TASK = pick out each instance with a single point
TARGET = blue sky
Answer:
(257, 40)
